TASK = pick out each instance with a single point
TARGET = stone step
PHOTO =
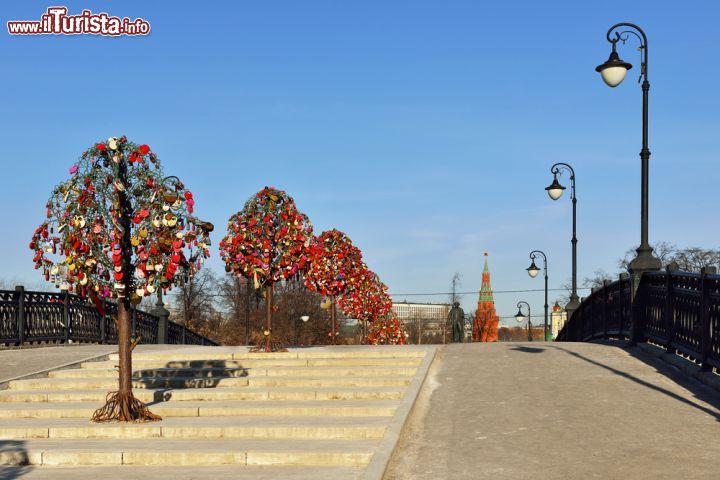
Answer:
(214, 372)
(219, 372)
(313, 408)
(205, 428)
(167, 472)
(328, 381)
(187, 452)
(112, 383)
(207, 382)
(214, 353)
(210, 394)
(319, 362)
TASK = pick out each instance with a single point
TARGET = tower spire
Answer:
(485, 326)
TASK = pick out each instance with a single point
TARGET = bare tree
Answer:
(244, 308)
(37, 286)
(455, 284)
(195, 303)
(293, 301)
(240, 301)
(597, 279)
(469, 324)
(662, 250)
(564, 298)
(690, 259)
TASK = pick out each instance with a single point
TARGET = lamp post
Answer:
(304, 319)
(555, 191)
(613, 72)
(159, 310)
(533, 270)
(521, 318)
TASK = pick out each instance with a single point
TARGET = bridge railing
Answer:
(28, 317)
(677, 310)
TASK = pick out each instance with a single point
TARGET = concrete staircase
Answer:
(307, 413)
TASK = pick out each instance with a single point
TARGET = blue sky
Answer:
(424, 130)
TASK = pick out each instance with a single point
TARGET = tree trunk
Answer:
(124, 352)
(332, 319)
(248, 298)
(121, 405)
(268, 317)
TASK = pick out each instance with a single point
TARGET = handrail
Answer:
(678, 310)
(28, 317)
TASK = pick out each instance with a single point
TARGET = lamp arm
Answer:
(539, 252)
(623, 36)
(558, 168)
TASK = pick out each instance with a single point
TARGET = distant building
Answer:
(428, 318)
(558, 318)
(485, 328)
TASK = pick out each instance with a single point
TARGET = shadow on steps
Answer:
(14, 459)
(186, 374)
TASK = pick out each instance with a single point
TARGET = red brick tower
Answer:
(485, 326)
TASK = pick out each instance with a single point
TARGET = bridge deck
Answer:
(558, 411)
(18, 362)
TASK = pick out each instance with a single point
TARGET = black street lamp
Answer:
(533, 270)
(555, 191)
(521, 318)
(304, 319)
(613, 72)
(160, 310)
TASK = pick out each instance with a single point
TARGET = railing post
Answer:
(621, 296)
(636, 310)
(592, 313)
(704, 320)
(604, 308)
(163, 316)
(103, 322)
(20, 293)
(133, 325)
(184, 336)
(66, 314)
(578, 327)
(670, 308)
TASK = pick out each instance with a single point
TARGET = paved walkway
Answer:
(558, 411)
(19, 362)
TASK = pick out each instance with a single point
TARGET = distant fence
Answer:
(44, 317)
(677, 310)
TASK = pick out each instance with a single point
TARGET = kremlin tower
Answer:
(485, 326)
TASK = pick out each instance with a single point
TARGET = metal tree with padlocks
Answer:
(335, 266)
(266, 242)
(366, 300)
(118, 229)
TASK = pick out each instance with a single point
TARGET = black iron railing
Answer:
(677, 310)
(45, 317)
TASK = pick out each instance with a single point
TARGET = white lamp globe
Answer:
(533, 270)
(555, 190)
(613, 71)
